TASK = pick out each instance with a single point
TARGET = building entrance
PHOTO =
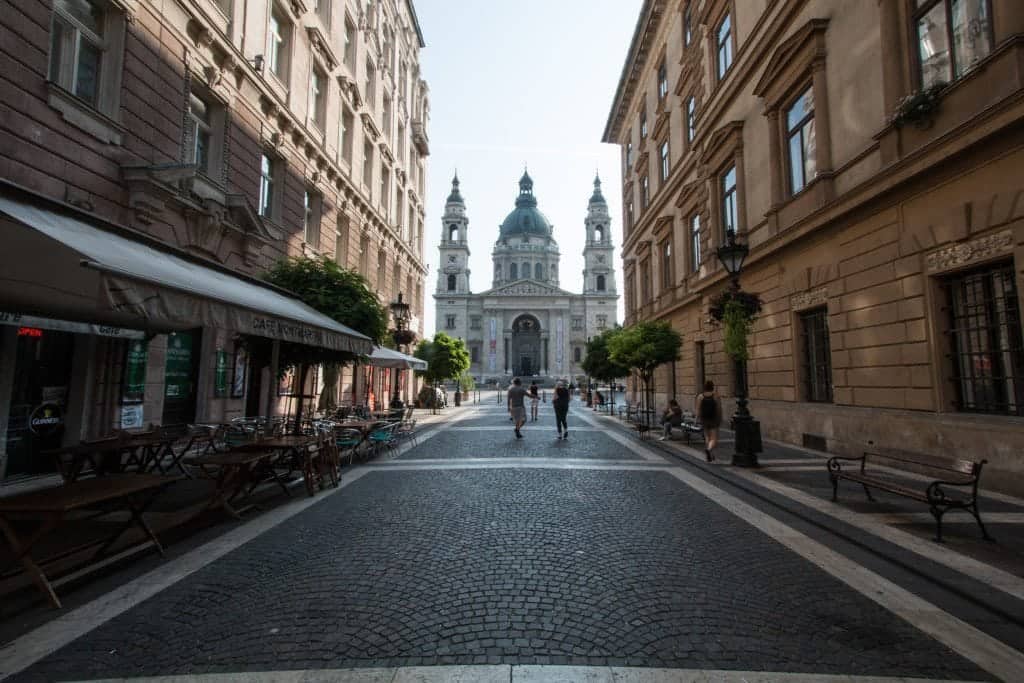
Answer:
(526, 346)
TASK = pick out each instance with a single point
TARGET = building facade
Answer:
(525, 325)
(869, 153)
(225, 137)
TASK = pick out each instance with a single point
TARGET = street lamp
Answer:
(746, 429)
(402, 335)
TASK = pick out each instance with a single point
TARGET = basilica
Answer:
(525, 325)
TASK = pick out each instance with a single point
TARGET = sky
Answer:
(513, 84)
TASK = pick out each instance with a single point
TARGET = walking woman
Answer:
(708, 407)
(561, 406)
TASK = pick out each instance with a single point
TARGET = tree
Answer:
(598, 362)
(340, 294)
(644, 346)
(446, 358)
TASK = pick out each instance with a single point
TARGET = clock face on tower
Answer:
(600, 259)
(451, 259)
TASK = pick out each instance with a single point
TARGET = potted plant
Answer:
(736, 310)
(919, 107)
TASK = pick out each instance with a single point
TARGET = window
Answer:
(985, 337)
(311, 209)
(386, 116)
(400, 143)
(370, 92)
(598, 233)
(474, 322)
(513, 272)
(453, 233)
(645, 281)
(345, 134)
(966, 24)
(367, 164)
(724, 41)
(474, 354)
(629, 155)
(382, 269)
(341, 241)
(643, 124)
(602, 322)
(525, 270)
(318, 97)
(729, 201)
(77, 48)
(279, 44)
(600, 283)
(698, 365)
(688, 24)
(449, 322)
(350, 44)
(577, 322)
(577, 354)
(667, 276)
(666, 164)
(364, 256)
(451, 283)
(816, 359)
(645, 193)
(800, 133)
(695, 242)
(691, 118)
(323, 10)
(267, 203)
(538, 271)
(385, 189)
(200, 133)
(662, 79)
(629, 214)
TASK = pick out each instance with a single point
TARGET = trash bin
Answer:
(458, 398)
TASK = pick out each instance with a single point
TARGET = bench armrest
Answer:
(835, 465)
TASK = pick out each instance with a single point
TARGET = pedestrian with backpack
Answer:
(708, 407)
(561, 405)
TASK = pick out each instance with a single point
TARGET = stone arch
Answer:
(526, 346)
(538, 271)
(600, 283)
(451, 283)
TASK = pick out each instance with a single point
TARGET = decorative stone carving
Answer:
(966, 253)
(809, 299)
(526, 288)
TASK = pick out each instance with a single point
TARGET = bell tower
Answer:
(598, 254)
(453, 272)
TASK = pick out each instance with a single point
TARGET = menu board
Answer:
(178, 373)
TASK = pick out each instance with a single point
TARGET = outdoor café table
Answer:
(293, 453)
(71, 460)
(132, 492)
(237, 470)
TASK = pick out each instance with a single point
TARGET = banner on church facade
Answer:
(492, 351)
(558, 344)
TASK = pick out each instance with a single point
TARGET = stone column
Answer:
(823, 145)
(893, 73)
(1007, 19)
(778, 175)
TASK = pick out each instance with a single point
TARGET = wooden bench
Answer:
(955, 483)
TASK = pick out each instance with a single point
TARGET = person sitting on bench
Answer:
(671, 417)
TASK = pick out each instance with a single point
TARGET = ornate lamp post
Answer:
(402, 335)
(746, 429)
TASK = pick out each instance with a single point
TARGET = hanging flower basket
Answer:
(918, 108)
(736, 309)
(403, 337)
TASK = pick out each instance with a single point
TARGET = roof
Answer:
(415, 23)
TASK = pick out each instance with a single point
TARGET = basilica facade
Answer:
(525, 325)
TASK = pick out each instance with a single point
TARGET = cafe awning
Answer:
(389, 358)
(55, 264)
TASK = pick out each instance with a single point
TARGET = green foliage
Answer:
(738, 323)
(598, 362)
(446, 358)
(466, 382)
(340, 294)
(749, 302)
(645, 345)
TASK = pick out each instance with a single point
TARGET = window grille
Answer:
(985, 338)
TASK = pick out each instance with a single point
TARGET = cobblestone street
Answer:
(473, 548)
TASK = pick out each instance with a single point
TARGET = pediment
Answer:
(794, 55)
(526, 288)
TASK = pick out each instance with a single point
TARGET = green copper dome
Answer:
(455, 197)
(526, 219)
(597, 197)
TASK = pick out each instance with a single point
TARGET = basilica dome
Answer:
(526, 219)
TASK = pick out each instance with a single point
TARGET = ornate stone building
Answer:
(525, 324)
(869, 154)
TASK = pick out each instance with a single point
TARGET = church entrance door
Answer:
(526, 346)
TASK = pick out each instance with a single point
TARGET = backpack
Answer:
(708, 408)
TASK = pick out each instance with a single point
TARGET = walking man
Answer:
(516, 405)
(561, 406)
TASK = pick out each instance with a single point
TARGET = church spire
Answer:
(455, 197)
(597, 197)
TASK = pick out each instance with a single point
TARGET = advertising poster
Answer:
(131, 416)
(220, 374)
(178, 373)
(559, 342)
(492, 349)
(134, 389)
(241, 367)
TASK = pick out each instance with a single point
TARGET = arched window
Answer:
(453, 233)
(526, 270)
(599, 233)
(451, 283)
(497, 271)
(513, 272)
(576, 354)
(538, 271)
(600, 283)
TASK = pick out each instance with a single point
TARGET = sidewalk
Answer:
(893, 530)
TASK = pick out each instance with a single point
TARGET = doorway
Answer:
(526, 345)
(180, 374)
(39, 399)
